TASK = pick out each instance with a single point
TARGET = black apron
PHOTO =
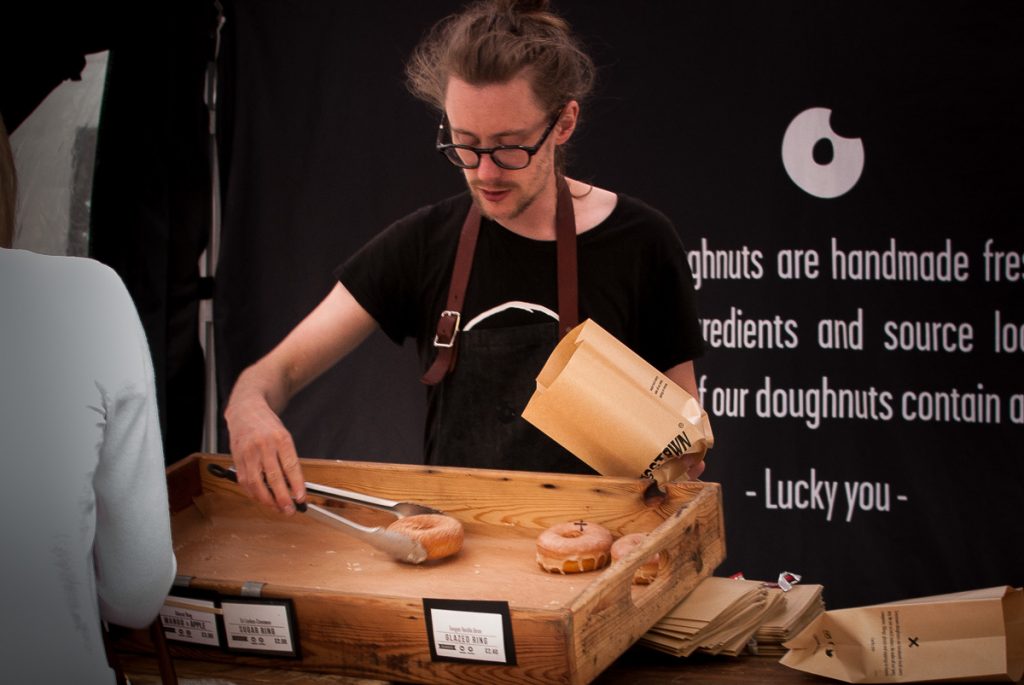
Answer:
(474, 414)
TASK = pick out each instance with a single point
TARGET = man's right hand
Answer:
(264, 455)
(263, 450)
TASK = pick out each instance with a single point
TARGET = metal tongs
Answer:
(400, 547)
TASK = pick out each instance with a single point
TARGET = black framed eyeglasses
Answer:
(511, 157)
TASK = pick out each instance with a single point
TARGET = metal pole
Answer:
(208, 260)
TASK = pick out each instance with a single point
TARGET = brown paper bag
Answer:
(971, 636)
(616, 412)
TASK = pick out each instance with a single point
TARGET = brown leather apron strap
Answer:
(448, 325)
(446, 338)
(565, 236)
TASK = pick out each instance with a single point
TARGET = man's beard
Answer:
(521, 206)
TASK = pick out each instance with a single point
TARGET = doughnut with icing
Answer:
(649, 569)
(441, 536)
(574, 547)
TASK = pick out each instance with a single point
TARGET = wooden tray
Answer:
(360, 613)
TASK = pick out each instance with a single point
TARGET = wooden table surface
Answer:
(638, 666)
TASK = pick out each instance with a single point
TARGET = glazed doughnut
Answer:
(649, 569)
(574, 547)
(441, 536)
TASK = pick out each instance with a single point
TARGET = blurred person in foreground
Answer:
(84, 523)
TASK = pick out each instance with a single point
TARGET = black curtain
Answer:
(319, 144)
(42, 48)
(151, 196)
(150, 215)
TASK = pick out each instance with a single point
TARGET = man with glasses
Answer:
(489, 280)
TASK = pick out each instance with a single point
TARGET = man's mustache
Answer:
(493, 186)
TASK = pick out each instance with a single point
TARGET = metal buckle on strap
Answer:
(455, 331)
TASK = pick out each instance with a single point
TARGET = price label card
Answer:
(189, 619)
(260, 626)
(469, 630)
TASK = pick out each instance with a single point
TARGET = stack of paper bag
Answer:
(719, 617)
(609, 407)
(800, 605)
(727, 616)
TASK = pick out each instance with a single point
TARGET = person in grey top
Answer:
(84, 522)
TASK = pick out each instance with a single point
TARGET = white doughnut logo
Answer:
(828, 180)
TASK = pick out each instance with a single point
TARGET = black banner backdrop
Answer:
(847, 180)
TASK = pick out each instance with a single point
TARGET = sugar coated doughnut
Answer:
(626, 544)
(440, 535)
(574, 547)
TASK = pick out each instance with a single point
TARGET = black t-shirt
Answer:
(634, 279)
